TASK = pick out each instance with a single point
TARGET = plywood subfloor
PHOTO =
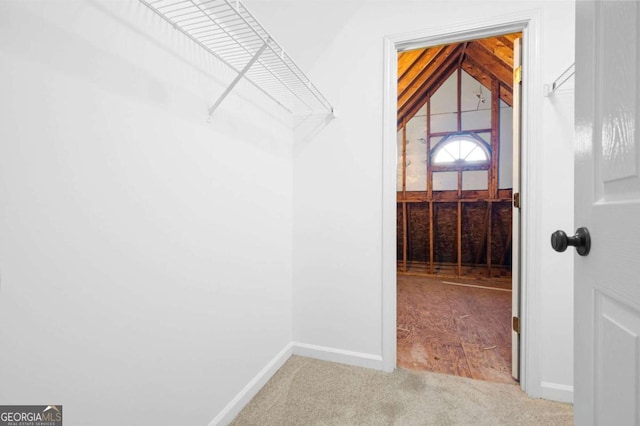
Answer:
(453, 329)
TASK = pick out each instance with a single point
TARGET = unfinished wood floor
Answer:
(452, 329)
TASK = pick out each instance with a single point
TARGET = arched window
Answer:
(460, 148)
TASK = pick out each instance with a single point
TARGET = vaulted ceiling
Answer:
(421, 72)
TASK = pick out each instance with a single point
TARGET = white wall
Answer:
(146, 256)
(556, 287)
(338, 175)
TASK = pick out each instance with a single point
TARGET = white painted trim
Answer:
(243, 397)
(556, 392)
(531, 167)
(324, 353)
(389, 165)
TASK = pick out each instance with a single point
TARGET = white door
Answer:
(607, 202)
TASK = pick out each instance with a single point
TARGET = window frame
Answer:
(461, 164)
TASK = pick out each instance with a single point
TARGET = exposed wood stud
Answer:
(459, 93)
(404, 158)
(431, 237)
(429, 182)
(428, 148)
(404, 236)
(489, 231)
(507, 246)
(408, 233)
(427, 237)
(482, 248)
(495, 139)
(464, 47)
(459, 238)
(404, 195)
(429, 178)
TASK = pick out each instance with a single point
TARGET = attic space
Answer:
(454, 223)
(455, 165)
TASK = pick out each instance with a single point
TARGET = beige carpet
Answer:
(311, 392)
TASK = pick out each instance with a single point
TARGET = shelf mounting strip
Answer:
(228, 31)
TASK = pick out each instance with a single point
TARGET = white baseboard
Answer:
(556, 392)
(236, 405)
(324, 353)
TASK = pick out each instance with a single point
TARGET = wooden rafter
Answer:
(406, 60)
(501, 48)
(412, 72)
(487, 60)
(422, 72)
(511, 37)
(436, 73)
(416, 84)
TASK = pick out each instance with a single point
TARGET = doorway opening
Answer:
(456, 226)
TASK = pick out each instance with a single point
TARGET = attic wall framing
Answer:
(480, 249)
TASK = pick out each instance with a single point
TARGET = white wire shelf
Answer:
(228, 31)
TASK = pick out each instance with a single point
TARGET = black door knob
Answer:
(581, 241)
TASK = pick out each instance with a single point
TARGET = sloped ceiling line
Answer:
(421, 72)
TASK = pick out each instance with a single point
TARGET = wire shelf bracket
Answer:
(238, 78)
(549, 89)
(229, 32)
